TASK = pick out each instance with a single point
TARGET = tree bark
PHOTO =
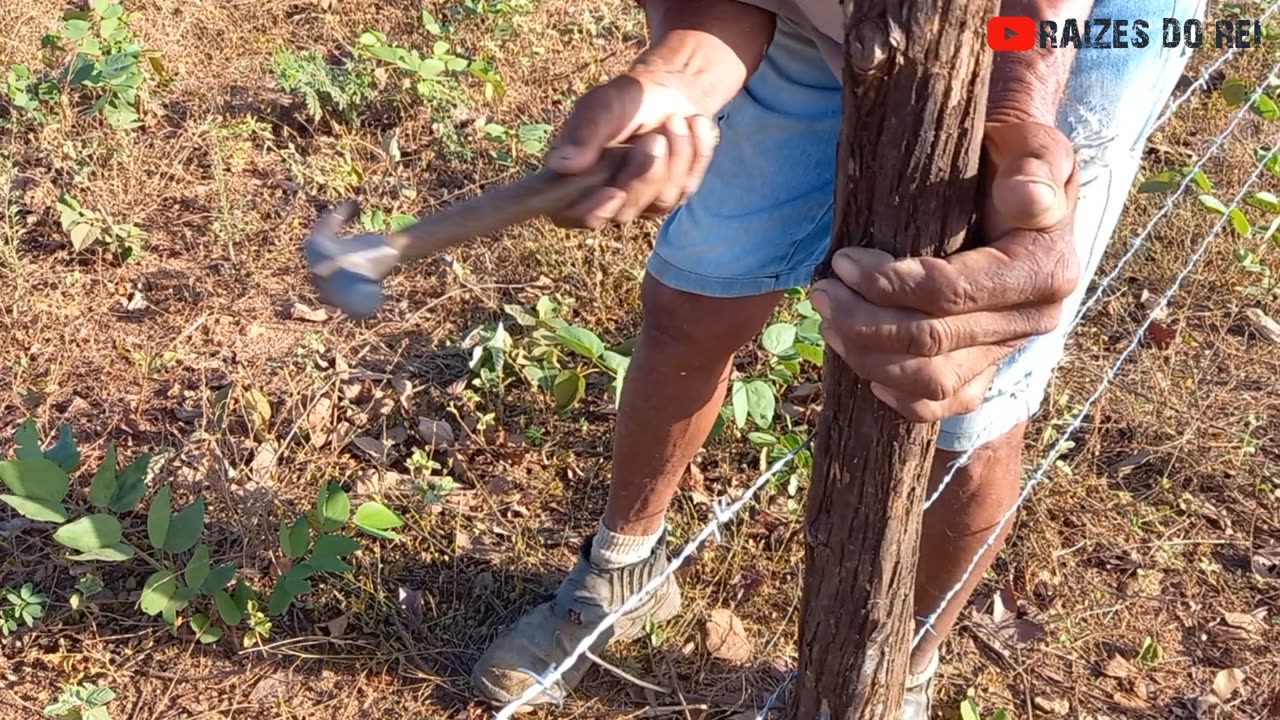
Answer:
(915, 90)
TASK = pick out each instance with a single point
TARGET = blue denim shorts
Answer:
(762, 219)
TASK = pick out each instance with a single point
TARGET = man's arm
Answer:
(1027, 86)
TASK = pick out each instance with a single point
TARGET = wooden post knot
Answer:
(869, 46)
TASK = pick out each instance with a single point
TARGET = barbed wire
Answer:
(1107, 378)
(721, 514)
(1135, 245)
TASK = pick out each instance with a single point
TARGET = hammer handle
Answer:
(541, 193)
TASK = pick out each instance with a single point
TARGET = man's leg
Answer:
(957, 526)
(674, 391)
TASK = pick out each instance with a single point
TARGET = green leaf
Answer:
(520, 314)
(1265, 201)
(27, 441)
(185, 527)
(296, 538)
(581, 340)
(38, 510)
(281, 598)
(158, 591)
(104, 480)
(778, 338)
(400, 221)
(243, 595)
(1201, 180)
(762, 439)
(206, 631)
(1213, 204)
(158, 518)
(1235, 91)
(90, 533)
(761, 402)
(568, 389)
(197, 567)
(969, 710)
(1265, 108)
(1239, 222)
(76, 29)
(430, 67)
(333, 507)
(738, 397)
(810, 353)
(116, 553)
(615, 363)
(218, 577)
(329, 551)
(1268, 159)
(131, 485)
(1162, 182)
(36, 479)
(64, 453)
(377, 519)
(1000, 714)
(227, 608)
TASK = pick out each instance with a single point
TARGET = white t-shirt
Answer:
(821, 20)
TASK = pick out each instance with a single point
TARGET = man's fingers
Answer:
(643, 175)
(599, 207)
(857, 325)
(705, 138)
(928, 378)
(917, 409)
(1033, 185)
(1031, 269)
(679, 159)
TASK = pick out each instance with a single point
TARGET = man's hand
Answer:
(929, 333)
(700, 56)
(655, 110)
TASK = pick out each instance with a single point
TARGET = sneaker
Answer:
(919, 697)
(548, 633)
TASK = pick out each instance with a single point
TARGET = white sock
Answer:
(611, 550)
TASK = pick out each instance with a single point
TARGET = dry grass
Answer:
(226, 177)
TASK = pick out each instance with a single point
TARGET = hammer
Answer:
(348, 271)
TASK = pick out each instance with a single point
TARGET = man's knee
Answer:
(994, 470)
(691, 329)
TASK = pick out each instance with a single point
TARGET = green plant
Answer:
(1151, 653)
(1264, 281)
(375, 220)
(434, 76)
(1237, 91)
(28, 92)
(558, 357)
(531, 138)
(969, 710)
(99, 60)
(184, 573)
(337, 92)
(26, 606)
(313, 544)
(82, 702)
(429, 479)
(85, 227)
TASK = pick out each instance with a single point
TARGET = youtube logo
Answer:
(1011, 32)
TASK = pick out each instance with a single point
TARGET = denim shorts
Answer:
(762, 219)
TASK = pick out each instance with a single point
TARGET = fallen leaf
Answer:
(499, 485)
(337, 627)
(320, 421)
(1118, 667)
(1266, 562)
(1052, 706)
(343, 435)
(264, 461)
(1263, 325)
(435, 433)
(275, 686)
(804, 392)
(372, 448)
(1161, 334)
(410, 602)
(397, 435)
(308, 314)
(1226, 682)
(726, 637)
(1131, 702)
(404, 391)
(257, 408)
(1122, 467)
(1006, 628)
(1252, 623)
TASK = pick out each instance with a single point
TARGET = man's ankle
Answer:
(611, 550)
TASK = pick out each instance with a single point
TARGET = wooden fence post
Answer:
(915, 90)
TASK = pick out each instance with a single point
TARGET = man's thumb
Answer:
(1033, 168)
(603, 117)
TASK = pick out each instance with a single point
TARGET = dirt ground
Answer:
(1151, 540)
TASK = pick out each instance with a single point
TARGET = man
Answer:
(970, 340)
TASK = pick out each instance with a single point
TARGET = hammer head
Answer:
(347, 272)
